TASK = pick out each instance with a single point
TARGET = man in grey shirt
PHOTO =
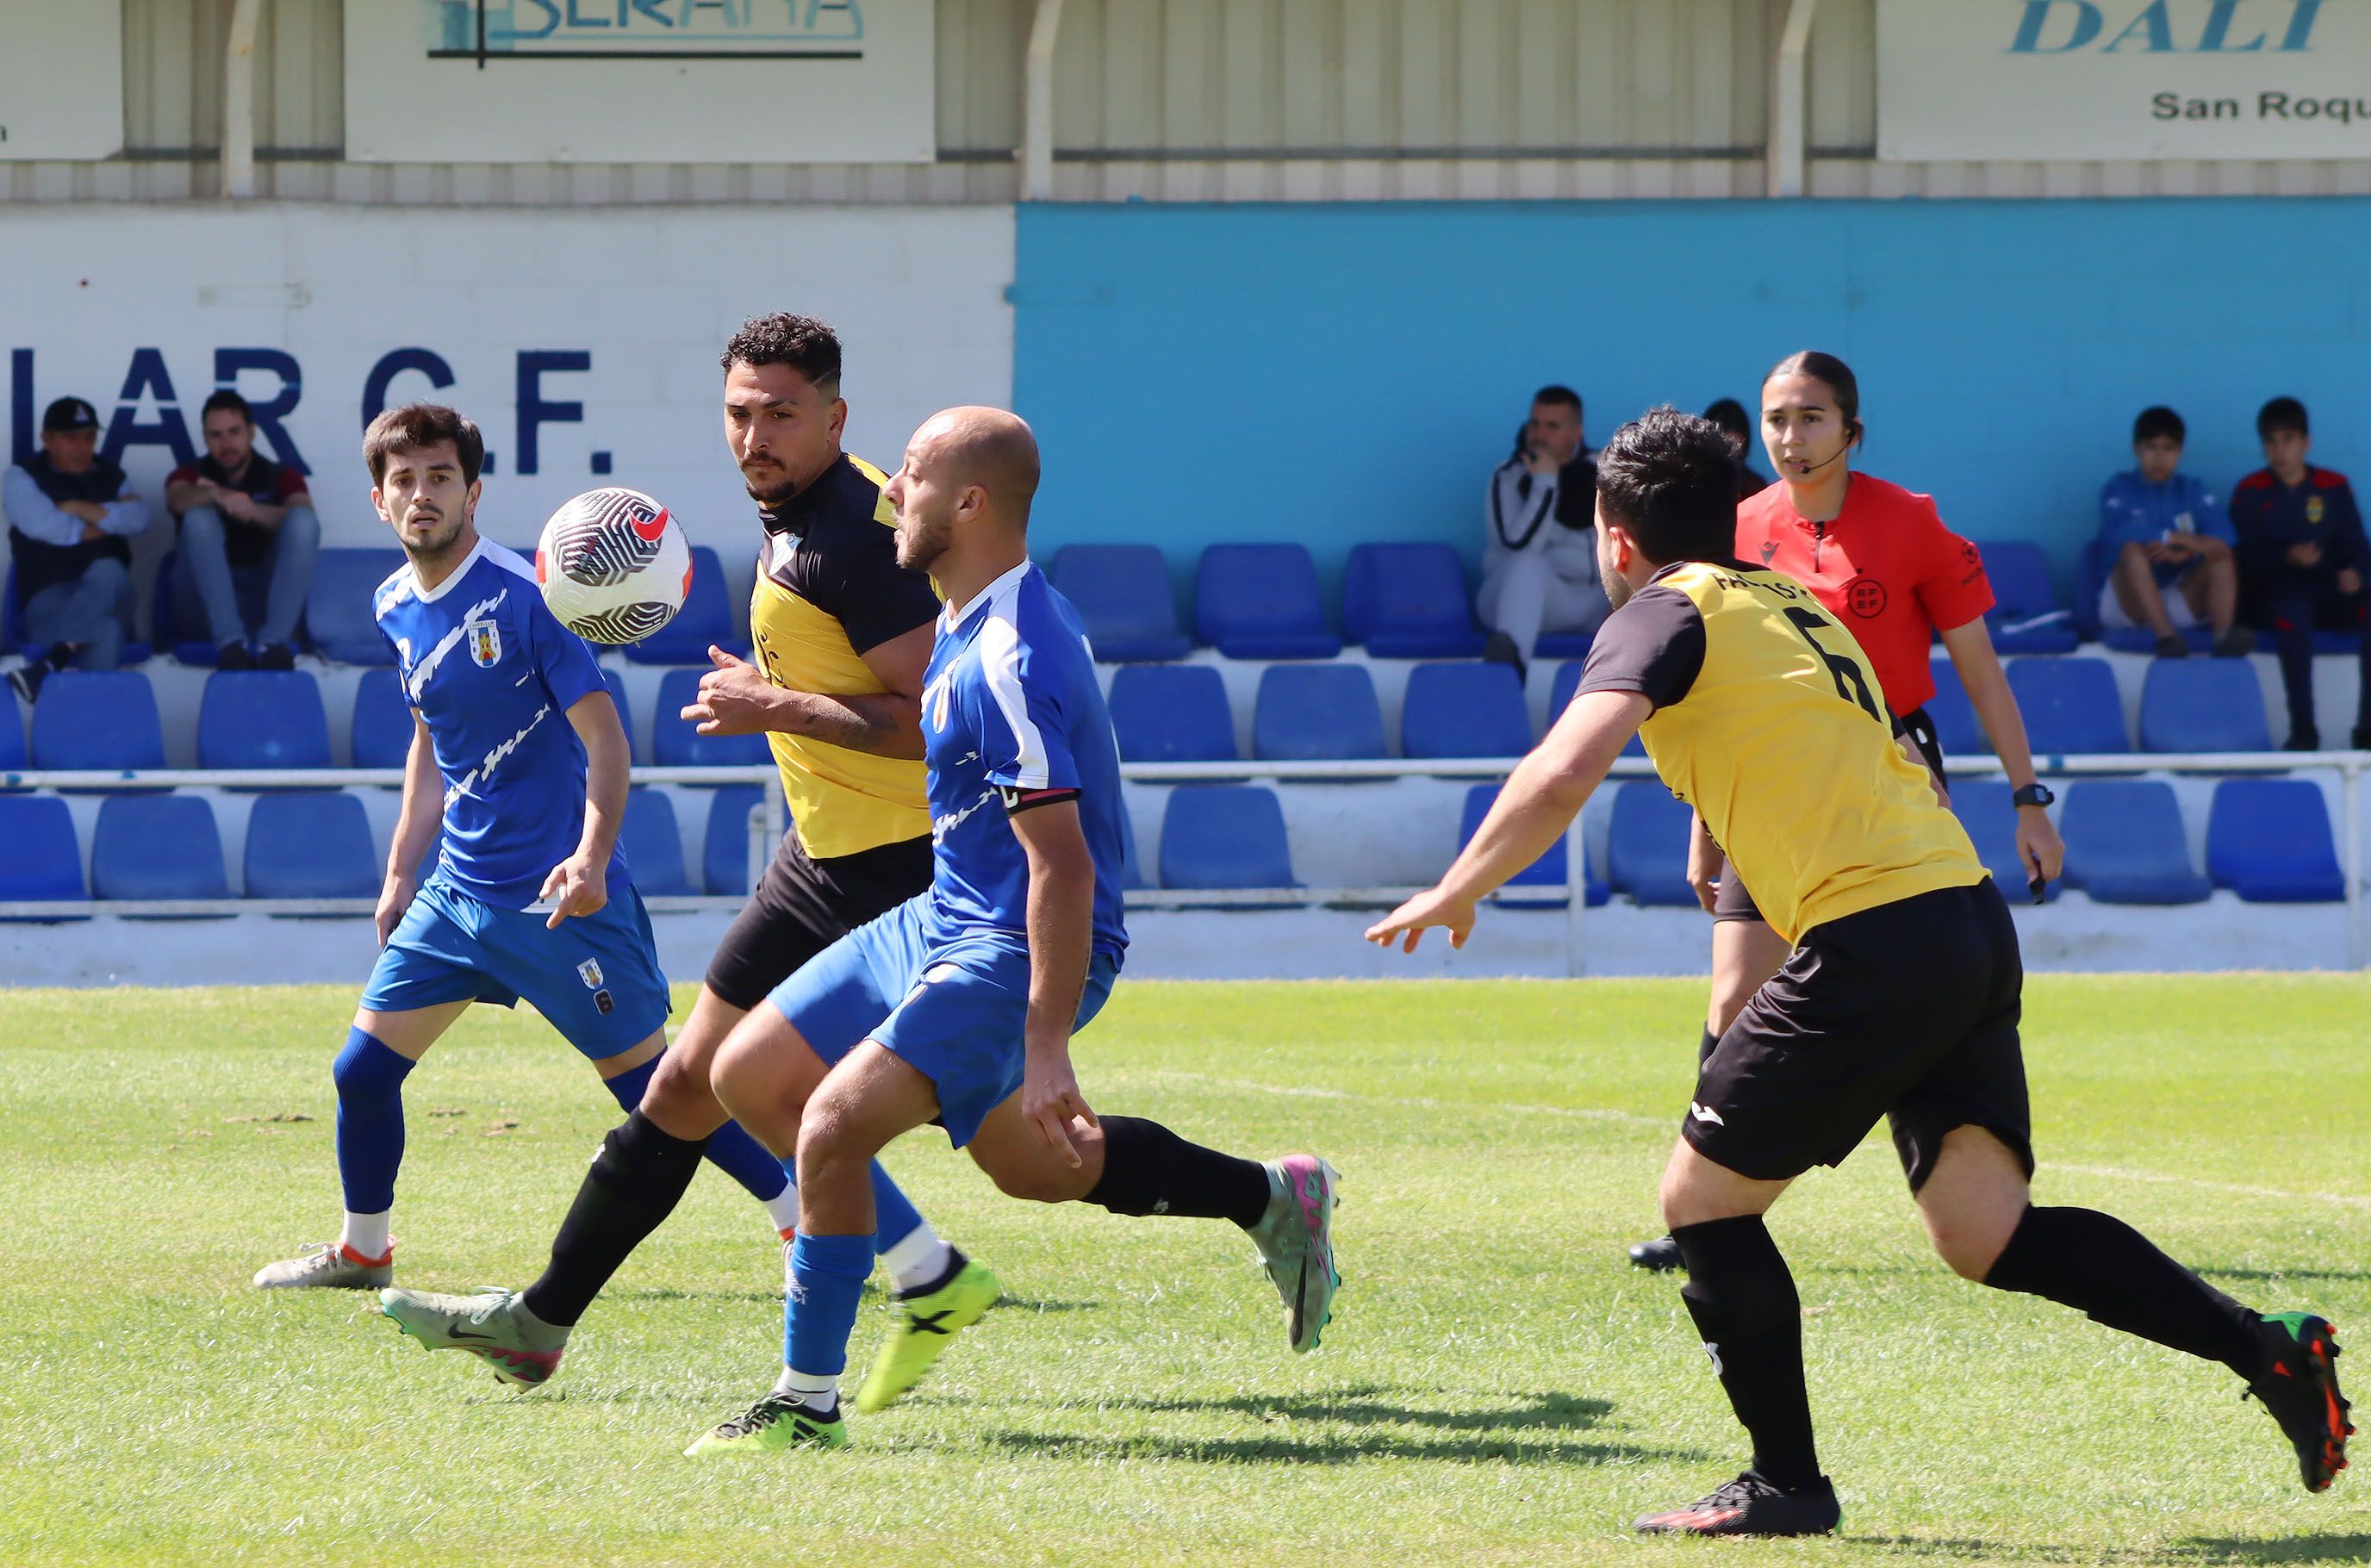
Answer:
(70, 517)
(1539, 552)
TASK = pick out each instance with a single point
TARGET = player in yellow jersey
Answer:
(1901, 999)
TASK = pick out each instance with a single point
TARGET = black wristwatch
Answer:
(2033, 795)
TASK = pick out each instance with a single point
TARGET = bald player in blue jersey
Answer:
(519, 761)
(958, 1007)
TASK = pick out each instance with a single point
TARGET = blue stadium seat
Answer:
(1260, 602)
(2269, 841)
(13, 635)
(187, 645)
(724, 843)
(382, 722)
(2126, 844)
(652, 845)
(12, 754)
(1549, 870)
(40, 859)
(1317, 713)
(1408, 601)
(156, 847)
(1563, 644)
(311, 844)
(1986, 809)
(1465, 711)
(98, 718)
(1956, 725)
(2203, 705)
(2070, 705)
(1132, 875)
(1647, 848)
(262, 719)
(706, 617)
(1224, 836)
(675, 741)
(2020, 570)
(1560, 690)
(1172, 713)
(2090, 578)
(339, 613)
(616, 685)
(1122, 593)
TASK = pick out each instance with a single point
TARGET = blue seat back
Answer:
(1317, 713)
(675, 741)
(2020, 573)
(2269, 840)
(1261, 602)
(706, 617)
(1408, 601)
(1566, 681)
(2203, 705)
(262, 719)
(12, 753)
(2070, 705)
(2125, 844)
(98, 718)
(339, 613)
(1465, 711)
(156, 847)
(1122, 593)
(654, 847)
(40, 856)
(381, 735)
(1647, 847)
(724, 843)
(311, 844)
(1224, 836)
(616, 685)
(1985, 808)
(1549, 870)
(1172, 713)
(1956, 725)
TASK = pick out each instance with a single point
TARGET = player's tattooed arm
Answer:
(1060, 922)
(735, 698)
(417, 822)
(580, 885)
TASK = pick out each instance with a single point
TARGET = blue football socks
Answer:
(827, 1277)
(370, 1121)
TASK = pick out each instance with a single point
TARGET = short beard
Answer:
(439, 552)
(920, 550)
(773, 495)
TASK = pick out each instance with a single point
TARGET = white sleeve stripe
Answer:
(999, 663)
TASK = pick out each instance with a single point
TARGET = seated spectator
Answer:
(1729, 415)
(2303, 558)
(249, 537)
(2166, 544)
(70, 517)
(1539, 559)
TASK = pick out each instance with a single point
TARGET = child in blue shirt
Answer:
(2166, 544)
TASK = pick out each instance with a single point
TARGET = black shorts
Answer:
(803, 906)
(1731, 902)
(1908, 1011)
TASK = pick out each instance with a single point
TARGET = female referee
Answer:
(1879, 558)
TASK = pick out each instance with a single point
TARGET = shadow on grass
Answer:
(2198, 1549)
(1360, 1406)
(1322, 1448)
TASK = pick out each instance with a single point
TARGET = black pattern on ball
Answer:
(624, 623)
(607, 535)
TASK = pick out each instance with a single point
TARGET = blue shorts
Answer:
(956, 1013)
(596, 979)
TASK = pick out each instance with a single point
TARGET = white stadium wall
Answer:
(572, 337)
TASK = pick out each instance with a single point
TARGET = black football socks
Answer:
(2111, 1274)
(1745, 1308)
(1149, 1170)
(636, 1182)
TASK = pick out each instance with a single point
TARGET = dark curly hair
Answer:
(1670, 479)
(802, 343)
(417, 425)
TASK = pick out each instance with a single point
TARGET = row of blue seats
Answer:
(1329, 712)
(2266, 839)
(275, 718)
(338, 622)
(307, 844)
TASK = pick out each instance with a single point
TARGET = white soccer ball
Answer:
(613, 565)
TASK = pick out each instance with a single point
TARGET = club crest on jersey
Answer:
(2313, 510)
(590, 972)
(485, 643)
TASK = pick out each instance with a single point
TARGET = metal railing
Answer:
(768, 822)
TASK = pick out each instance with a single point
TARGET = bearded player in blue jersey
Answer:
(518, 756)
(958, 1007)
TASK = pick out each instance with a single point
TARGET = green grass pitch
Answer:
(1498, 1386)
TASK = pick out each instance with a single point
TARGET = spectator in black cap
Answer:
(249, 537)
(71, 518)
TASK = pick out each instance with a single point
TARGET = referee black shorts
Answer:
(1908, 1011)
(803, 906)
(1731, 902)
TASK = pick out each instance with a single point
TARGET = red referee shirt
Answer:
(1886, 567)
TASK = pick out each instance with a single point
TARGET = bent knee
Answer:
(1969, 1249)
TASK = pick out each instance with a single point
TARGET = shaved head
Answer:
(992, 448)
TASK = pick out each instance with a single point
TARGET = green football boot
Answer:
(932, 1319)
(489, 1324)
(1296, 1244)
(774, 1423)
(2300, 1388)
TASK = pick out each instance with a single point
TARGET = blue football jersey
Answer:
(490, 670)
(1010, 709)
